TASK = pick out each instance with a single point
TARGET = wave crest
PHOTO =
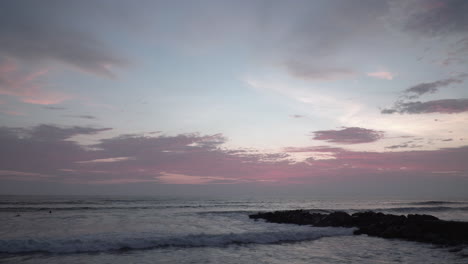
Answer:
(111, 242)
(435, 203)
(422, 209)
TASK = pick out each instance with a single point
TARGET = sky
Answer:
(316, 97)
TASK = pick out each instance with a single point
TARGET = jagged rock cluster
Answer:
(423, 228)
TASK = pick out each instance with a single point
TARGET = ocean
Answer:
(116, 229)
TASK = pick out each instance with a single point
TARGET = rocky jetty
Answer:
(414, 227)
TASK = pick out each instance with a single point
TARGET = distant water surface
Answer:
(105, 229)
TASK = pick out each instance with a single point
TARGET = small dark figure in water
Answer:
(18, 215)
(50, 212)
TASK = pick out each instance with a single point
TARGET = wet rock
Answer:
(414, 227)
(423, 217)
(336, 219)
(299, 217)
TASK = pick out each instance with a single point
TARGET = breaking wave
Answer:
(115, 242)
(421, 209)
(435, 203)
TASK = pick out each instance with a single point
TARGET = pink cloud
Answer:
(449, 159)
(173, 178)
(199, 159)
(381, 75)
(13, 113)
(46, 98)
(312, 149)
(20, 173)
(116, 159)
(8, 65)
(27, 87)
(122, 181)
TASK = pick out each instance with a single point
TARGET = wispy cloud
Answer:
(318, 103)
(382, 75)
(106, 160)
(49, 107)
(83, 116)
(173, 178)
(405, 145)
(46, 98)
(318, 73)
(12, 113)
(20, 173)
(27, 87)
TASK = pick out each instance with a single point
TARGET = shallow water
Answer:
(195, 230)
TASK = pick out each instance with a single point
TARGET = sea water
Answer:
(105, 229)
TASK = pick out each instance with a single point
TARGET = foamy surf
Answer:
(112, 241)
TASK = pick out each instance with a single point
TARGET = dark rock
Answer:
(300, 217)
(336, 219)
(423, 217)
(423, 228)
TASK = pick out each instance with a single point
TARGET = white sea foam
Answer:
(113, 241)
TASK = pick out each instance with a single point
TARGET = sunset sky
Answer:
(158, 97)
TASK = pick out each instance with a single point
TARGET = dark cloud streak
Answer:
(90, 117)
(42, 30)
(349, 135)
(431, 87)
(447, 106)
(444, 106)
(48, 107)
(435, 17)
